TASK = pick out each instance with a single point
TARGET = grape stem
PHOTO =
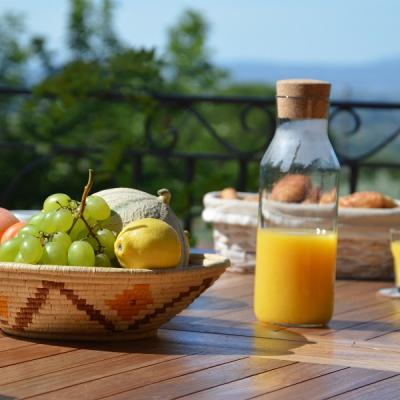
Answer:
(91, 233)
(85, 193)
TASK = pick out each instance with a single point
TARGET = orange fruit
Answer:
(11, 231)
(6, 220)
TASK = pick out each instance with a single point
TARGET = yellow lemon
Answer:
(148, 243)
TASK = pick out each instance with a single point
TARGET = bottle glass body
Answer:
(297, 235)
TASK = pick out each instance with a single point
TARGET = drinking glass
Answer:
(395, 249)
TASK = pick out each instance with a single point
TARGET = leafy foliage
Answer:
(189, 68)
(94, 110)
(13, 53)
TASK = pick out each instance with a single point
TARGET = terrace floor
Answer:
(216, 350)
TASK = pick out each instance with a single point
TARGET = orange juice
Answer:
(295, 276)
(395, 247)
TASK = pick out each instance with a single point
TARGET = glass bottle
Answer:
(297, 233)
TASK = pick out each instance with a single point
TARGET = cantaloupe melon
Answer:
(128, 205)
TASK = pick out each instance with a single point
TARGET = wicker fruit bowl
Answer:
(88, 303)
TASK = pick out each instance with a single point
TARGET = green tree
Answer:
(72, 107)
(14, 53)
(188, 60)
(109, 41)
(80, 28)
(99, 100)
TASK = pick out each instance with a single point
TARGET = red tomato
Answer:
(6, 220)
(12, 231)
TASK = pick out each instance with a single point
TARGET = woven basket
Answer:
(88, 303)
(363, 244)
(234, 225)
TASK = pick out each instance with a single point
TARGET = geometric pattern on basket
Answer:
(3, 309)
(130, 302)
(182, 295)
(25, 315)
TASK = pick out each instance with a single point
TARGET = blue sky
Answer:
(281, 31)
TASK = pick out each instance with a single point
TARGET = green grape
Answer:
(48, 223)
(31, 249)
(63, 220)
(54, 253)
(10, 249)
(36, 220)
(28, 230)
(19, 258)
(92, 223)
(56, 201)
(98, 208)
(93, 242)
(62, 238)
(79, 231)
(107, 239)
(86, 214)
(101, 260)
(81, 253)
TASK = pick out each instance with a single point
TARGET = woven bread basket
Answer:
(88, 303)
(363, 240)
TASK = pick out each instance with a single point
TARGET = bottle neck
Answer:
(309, 126)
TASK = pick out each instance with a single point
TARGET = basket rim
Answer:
(197, 262)
(214, 196)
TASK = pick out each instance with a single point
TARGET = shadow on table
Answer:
(210, 303)
(192, 336)
(252, 339)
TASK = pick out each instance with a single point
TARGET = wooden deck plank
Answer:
(8, 343)
(356, 301)
(387, 389)
(319, 351)
(133, 378)
(362, 325)
(28, 353)
(58, 362)
(345, 325)
(241, 316)
(353, 318)
(231, 280)
(244, 318)
(390, 339)
(113, 368)
(88, 354)
(206, 378)
(259, 384)
(213, 306)
(370, 329)
(328, 385)
(235, 288)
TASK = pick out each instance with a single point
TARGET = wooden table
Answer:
(216, 350)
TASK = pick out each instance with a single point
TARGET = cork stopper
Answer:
(302, 98)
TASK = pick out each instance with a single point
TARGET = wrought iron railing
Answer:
(349, 125)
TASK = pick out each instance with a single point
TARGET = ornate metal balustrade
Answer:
(362, 138)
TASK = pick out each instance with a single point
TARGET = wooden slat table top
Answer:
(215, 349)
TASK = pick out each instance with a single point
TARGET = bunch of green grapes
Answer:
(64, 234)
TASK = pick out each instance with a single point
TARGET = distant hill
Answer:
(372, 81)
